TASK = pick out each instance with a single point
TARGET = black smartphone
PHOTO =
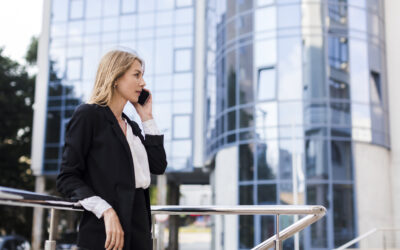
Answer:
(143, 97)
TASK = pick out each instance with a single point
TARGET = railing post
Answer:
(278, 242)
(153, 223)
(50, 244)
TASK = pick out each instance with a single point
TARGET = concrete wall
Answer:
(373, 187)
(225, 186)
(392, 22)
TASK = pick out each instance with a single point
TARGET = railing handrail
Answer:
(363, 236)
(12, 196)
(16, 197)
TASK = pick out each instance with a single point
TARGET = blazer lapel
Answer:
(135, 128)
(117, 130)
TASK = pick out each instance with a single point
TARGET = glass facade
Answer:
(293, 84)
(161, 31)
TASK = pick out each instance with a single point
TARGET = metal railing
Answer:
(15, 197)
(367, 235)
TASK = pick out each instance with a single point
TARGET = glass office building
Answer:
(292, 85)
(295, 102)
(81, 31)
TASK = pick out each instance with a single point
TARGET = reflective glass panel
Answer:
(292, 11)
(266, 87)
(343, 214)
(53, 126)
(318, 194)
(111, 8)
(290, 85)
(316, 159)
(182, 126)
(338, 52)
(265, 19)
(267, 227)
(267, 160)
(246, 162)
(128, 6)
(266, 194)
(265, 53)
(341, 160)
(375, 87)
(338, 89)
(74, 66)
(359, 74)
(76, 9)
(246, 117)
(289, 196)
(184, 16)
(246, 195)
(246, 74)
(246, 231)
(93, 9)
(183, 60)
(59, 12)
(183, 3)
(110, 24)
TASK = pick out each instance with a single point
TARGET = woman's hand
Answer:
(115, 234)
(145, 110)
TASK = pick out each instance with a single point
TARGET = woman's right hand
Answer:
(114, 232)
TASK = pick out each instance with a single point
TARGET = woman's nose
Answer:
(142, 83)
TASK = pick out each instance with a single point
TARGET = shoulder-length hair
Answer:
(112, 66)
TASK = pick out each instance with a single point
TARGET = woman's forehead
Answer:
(136, 65)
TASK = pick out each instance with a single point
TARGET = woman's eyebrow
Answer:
(138, 71)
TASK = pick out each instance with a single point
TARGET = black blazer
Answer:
(97, 161)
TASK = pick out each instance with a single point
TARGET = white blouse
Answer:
(96, 204)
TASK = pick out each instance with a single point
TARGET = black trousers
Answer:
(140, 237)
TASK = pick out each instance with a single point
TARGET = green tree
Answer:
(16, 100)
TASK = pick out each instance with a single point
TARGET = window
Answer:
(375, 87)
(182, 60)
(246, 162)
(341, 160)
(111, 8)
(338, 90)
(93, 9)
(266, 85)
(246, 231)
(265, 53)
(318, 194)
(266, 194)
(338, 52)
(316, 159)
(59, 12)
(128, 6)
(338, 10)
(74, 66)
(183, 3)
(343, 214)
(181, 127)
(76, 9)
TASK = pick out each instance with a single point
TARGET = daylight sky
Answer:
(19, 21)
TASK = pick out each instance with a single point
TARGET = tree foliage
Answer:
(16, 112)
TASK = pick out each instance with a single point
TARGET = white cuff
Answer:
(150, 127)
(96, 205)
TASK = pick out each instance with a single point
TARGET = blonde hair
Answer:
(112, 66)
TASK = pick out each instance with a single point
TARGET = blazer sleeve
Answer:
(154, 145)
(78, 136)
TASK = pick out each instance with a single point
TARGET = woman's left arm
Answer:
(154, 144)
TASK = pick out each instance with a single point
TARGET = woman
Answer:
(107, 162)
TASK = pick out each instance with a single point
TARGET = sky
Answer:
(19, 21)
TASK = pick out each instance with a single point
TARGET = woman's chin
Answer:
(134, 100)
